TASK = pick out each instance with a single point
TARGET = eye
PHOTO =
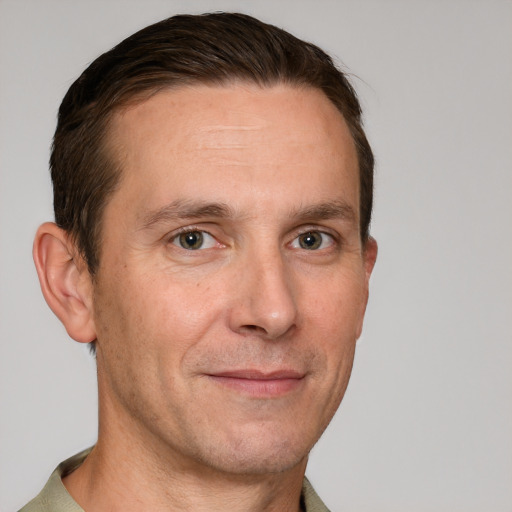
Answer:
(313, 240)
(194, 240)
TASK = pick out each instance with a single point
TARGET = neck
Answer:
(115, 482)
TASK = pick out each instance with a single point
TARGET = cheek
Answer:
(183, 304)
(336, 305)
(333, 319)
(146, 327)
(163, 310)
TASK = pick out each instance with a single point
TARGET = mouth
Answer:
(259, 384)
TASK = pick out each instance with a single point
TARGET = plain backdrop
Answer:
(426, 424)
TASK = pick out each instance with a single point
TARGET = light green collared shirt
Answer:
(55, 498)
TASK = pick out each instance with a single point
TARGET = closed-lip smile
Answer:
(258, 383)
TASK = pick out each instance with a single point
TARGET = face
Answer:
(232, 281)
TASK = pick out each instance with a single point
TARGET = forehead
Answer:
(238, 140)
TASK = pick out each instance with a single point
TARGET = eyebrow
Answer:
(186, 209)
(195, 209)
(324, 211)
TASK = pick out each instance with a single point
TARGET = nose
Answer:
(264, 302)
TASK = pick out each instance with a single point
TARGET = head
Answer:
(212, 49)
(213, 196)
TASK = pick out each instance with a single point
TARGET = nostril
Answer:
(252, 329)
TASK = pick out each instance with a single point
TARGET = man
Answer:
(212, 194)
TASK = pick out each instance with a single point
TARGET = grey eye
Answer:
(194, 240)
(313, 240)
(310, 241)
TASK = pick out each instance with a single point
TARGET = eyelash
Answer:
(174, 238)
(330, 238)
(325, 238)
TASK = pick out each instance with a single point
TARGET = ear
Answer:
(370, 257)
(370, 250)
(65, 281)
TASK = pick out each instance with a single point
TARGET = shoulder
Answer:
(311, 500)
(54, 497)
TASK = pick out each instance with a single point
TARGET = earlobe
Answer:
(65, 281)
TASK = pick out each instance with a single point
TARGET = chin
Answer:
(258, 455)
(257, 464)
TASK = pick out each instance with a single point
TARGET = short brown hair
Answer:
(214, 49)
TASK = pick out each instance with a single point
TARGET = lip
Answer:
(257, 383)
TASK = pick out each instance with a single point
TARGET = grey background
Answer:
(426, 424)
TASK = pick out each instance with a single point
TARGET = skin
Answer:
(220, 366)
